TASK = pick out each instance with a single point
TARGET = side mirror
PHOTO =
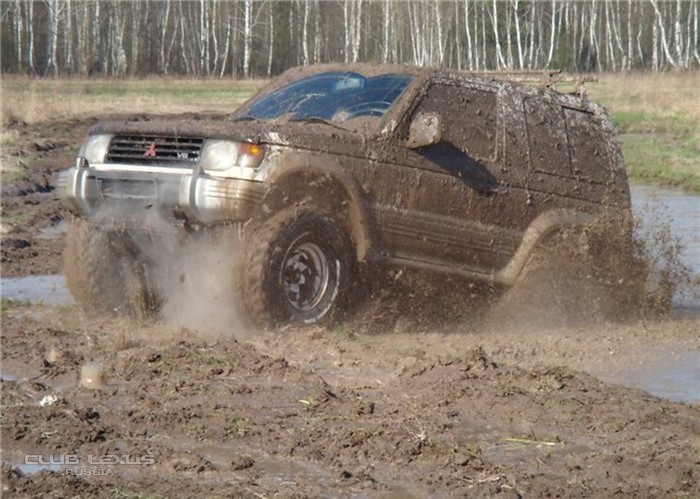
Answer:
(425, 130)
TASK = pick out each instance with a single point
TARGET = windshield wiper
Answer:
(316, 119)
(244, 118)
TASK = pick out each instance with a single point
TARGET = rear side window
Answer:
(589, 155)
(566, 142)
(546, 132)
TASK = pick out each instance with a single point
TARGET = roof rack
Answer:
(545, 78)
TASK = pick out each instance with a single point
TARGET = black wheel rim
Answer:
(305, 276)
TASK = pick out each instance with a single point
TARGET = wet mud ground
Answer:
(391, 408)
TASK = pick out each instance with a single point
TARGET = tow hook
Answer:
(82, 162)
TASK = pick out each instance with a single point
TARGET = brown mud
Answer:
(392, 403)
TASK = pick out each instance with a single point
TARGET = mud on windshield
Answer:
(331, 97)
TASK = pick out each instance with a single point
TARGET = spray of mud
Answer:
(602, 273)
(198, 285)
(185, 277)
(611, 271)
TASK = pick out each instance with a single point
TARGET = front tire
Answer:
(102, 276)
(297, 269)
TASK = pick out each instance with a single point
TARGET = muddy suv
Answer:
(329, 167)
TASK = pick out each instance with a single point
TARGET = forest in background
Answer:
(251, 39)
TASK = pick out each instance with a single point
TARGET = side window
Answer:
(546, 132)
(589, 157)
(468, 118)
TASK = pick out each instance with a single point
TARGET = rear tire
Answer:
(297, 268)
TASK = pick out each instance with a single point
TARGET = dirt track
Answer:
(397, 408)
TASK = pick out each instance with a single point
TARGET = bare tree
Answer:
(695, 31)
(271, 40)
(352, 18)
(501, 63)
(18, 31)
(259, 37)
(659, 23)
(163, 14)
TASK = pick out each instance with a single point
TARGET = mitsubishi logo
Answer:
(151, 151)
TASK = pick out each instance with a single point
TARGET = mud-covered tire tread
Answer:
(259, 248)
(141, 301)
(86, 254)
(104, 278)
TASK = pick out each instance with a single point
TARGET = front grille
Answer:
(154, 150)
(127, 189)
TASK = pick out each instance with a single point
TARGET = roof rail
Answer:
(544, 78)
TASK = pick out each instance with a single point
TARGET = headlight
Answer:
(219, 155)
(95, 148)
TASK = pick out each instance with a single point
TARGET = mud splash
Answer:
(656, 208)
(92, 376)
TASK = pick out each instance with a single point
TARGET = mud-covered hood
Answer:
(303, 135)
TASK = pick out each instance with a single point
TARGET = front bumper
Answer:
(197, 198)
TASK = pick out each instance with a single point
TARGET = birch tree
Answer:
(252, 38)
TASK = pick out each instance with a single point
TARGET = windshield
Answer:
(335, 96)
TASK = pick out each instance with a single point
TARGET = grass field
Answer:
(657, 115)
(36, 100)
(658, 119)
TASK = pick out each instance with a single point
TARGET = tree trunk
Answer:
(68, 39)
(695, 31)
(659, 23)
(385, 31)
(183, 48)
(18, 25)
(317, 32)
(247, 36)
(52, 38)
(226, 48)
(552, 36)
(531, 50)
(271, 41)
(500, 62)
(163, 14)
(305, 35)
(440, 40)
(470, 58)
(458, 38)
(518, 34)
(30, 38)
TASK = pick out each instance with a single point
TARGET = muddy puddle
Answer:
(276, 472)
(46, 289)
(672, 372)
(654, 206)
(54, 462)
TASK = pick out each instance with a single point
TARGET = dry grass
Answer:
(666, 103)
(40, 100)
(658, 117)
(661, 94)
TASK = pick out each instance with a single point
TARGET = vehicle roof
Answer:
(425, 73)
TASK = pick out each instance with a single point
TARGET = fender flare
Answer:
(294, 166)
(539, 230)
